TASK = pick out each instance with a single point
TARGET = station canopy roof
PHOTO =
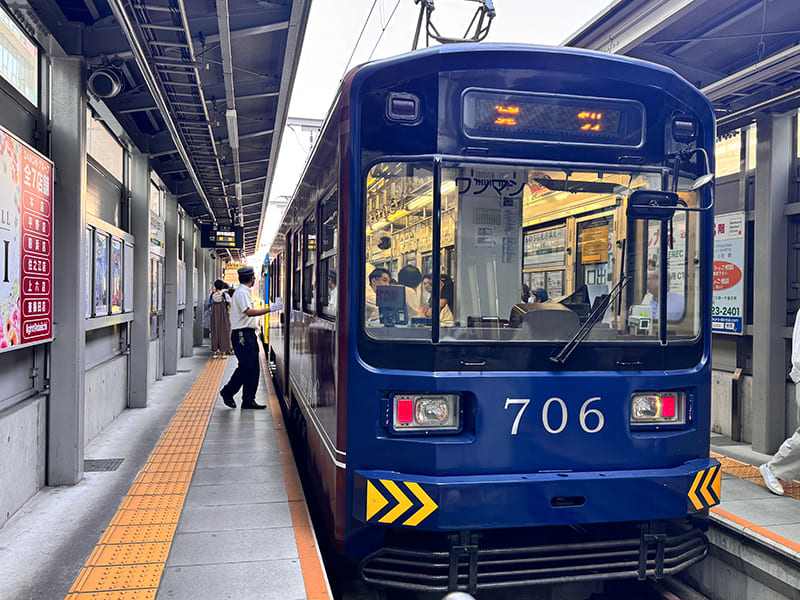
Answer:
(743, 54)
(204, 90)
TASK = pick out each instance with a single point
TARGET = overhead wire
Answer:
(358, 41)
(380, 37)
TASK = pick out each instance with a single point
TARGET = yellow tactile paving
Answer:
(182, 476)
(146, 594)
(118, 577)
(146, 517)
(128, 554)
(156, 489)
(137, 534)
(165, 501)
(128, 560)
(751, 473)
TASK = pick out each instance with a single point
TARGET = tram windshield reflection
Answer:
(506, 231)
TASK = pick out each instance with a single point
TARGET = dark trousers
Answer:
(245, 347)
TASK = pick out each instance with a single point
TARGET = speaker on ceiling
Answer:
(105, 83)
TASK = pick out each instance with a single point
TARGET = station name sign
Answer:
(221, 237)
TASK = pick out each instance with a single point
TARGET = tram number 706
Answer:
(582, 417)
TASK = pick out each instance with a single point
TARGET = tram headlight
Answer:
(658, 407)
(435, 413)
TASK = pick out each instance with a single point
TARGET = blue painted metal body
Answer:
(555, 467)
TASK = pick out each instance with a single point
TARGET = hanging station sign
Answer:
(26, 243)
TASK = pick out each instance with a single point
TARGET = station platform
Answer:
(189, 499)
(749, 506)
(184, 499)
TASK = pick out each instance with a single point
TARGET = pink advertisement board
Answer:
(26, 245)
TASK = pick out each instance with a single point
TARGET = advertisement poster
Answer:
(100, 274)
(89, 245)
(727, 305)
(594, 245)
(26, 237)
(156, 234)
(116, 276)
(545, 248)
(231, 277)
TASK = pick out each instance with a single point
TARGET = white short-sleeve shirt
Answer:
(241, 301)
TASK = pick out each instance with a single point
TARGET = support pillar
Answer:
(171, 285)
(189, 317)
(773, 169)
(65, 429)
(203, 286)
(140, 327)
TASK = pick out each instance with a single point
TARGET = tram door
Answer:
(157, 339)
(288, 295)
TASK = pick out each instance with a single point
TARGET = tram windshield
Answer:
(522, 254)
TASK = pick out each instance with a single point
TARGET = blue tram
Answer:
(506, 438)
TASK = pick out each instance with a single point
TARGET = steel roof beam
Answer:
(770, 67)
(152, 84)
(231, 116)
(623, 34)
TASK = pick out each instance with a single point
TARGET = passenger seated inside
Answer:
(377, 278)
(410, 277)
(675, 301)
(446, 293)
(538, 295)
(332, 292)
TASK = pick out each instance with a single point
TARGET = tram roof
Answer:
(205, 90)
(743, 54)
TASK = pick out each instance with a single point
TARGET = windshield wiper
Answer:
(594, 316)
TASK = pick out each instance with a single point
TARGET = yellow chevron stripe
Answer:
(375, 500)
(717, 483)
(403, 503)
(698, 505)
(428, 505)
(704, 488)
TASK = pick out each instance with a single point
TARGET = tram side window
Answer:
(297, 264)
(309, 263)
(274, 279)
(329, 244)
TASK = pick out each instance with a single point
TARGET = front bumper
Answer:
(459, 503)
(466, 561)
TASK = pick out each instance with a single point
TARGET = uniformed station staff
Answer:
(245, 343)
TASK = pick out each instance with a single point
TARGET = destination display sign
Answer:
(550, 118)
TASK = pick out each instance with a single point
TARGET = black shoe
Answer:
(228, 400)
(252, 405)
